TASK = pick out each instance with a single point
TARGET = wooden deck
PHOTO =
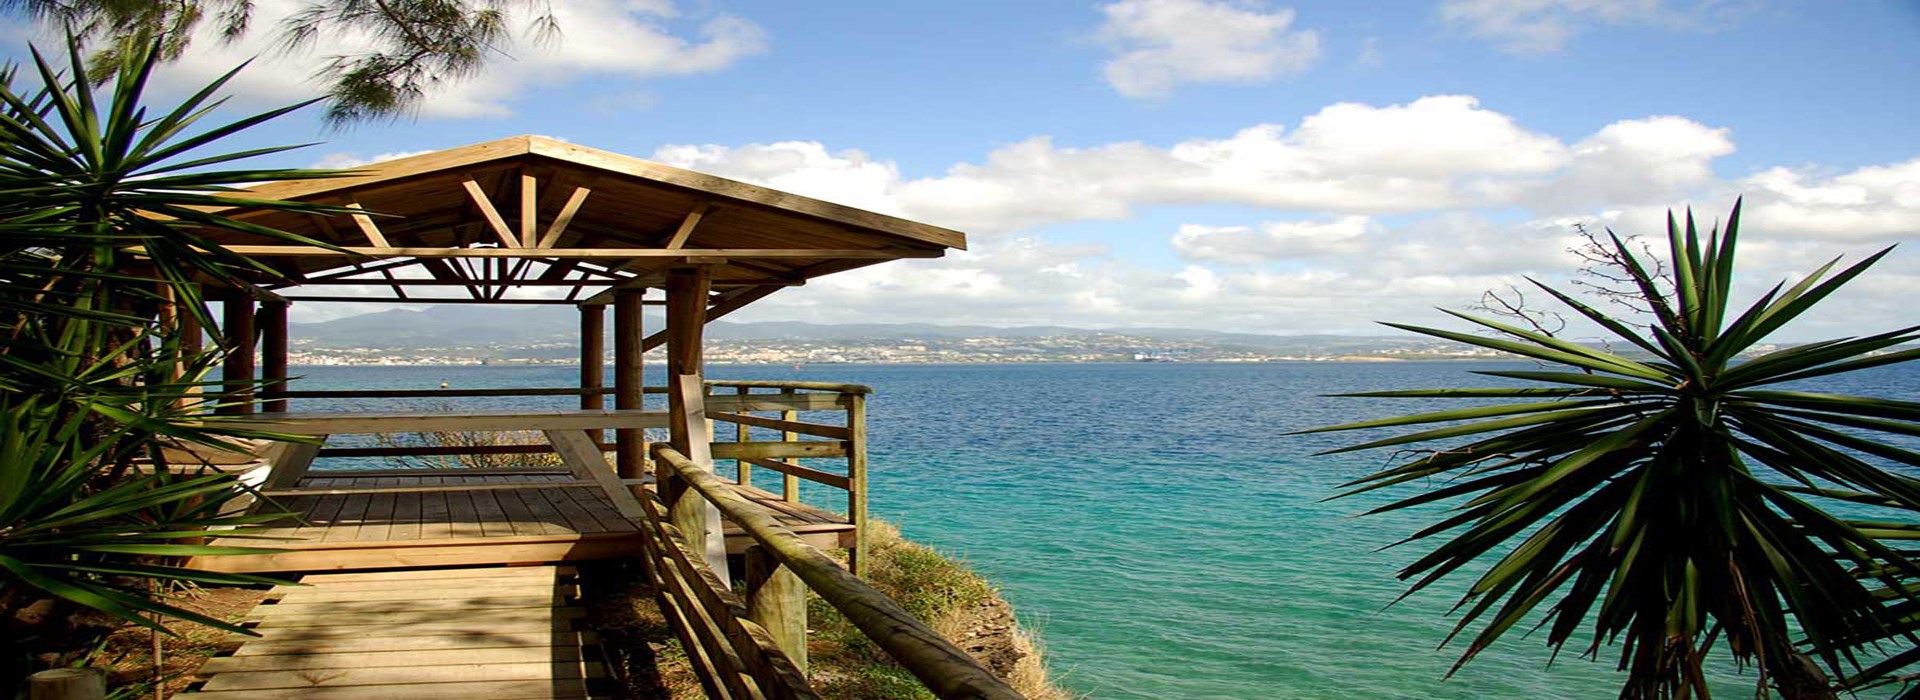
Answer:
(339, 523)
(479, 633)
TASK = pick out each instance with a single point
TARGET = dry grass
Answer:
(469, 438)
(844, 664)
(128, 657)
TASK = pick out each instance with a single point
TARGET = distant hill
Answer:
(474, 326)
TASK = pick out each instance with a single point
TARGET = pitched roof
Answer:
(561, 205)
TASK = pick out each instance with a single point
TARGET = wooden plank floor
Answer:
(462, 520)
(485, 633)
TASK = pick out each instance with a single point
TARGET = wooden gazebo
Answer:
(535, 220)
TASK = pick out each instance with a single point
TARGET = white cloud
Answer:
(1362, 212)
(1634, 161)
(1871, 203)
(801, 167)
(616, 39)
(1348, 158)
(1545, 26)
(1273, 240)
(343, 160)
(1159, 44)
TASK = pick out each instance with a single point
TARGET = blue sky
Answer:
(1251, 166)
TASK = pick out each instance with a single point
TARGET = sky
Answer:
(1237, 165)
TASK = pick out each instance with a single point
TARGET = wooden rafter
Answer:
(367, 227)
(560, 223)
(359, 268)
(441, 269)
(394, 283)
(354, 282)
(485, 204)
(720, 305)
(680, 235)
(557, 269)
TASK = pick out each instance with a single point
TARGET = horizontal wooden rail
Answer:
(945, 669)
(733, 656)
(775, 450)
(441, 393)
(435, 488)
(441, 451)
(860, 389)
(813, 475)
(791, 426)
(337, 423)
(437, 471)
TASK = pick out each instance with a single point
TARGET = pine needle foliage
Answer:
(413, 45)
(1657, 502)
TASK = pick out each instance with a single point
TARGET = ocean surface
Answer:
(1156, 525)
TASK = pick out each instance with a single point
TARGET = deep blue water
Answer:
(1156, 526)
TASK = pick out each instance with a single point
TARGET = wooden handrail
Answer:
(945, 669)
(553, 391)
(808, 386)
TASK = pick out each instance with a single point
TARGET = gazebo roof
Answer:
(536, 211)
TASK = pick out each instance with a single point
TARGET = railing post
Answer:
(777, 599)
(857, 481)
(789, 484)
(741, 433)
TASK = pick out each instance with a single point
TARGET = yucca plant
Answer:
(104, 224)
(1658, 499)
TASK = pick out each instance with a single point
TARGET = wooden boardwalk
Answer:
(488, 633)
(351, 523)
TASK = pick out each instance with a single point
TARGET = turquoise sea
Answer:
(1155, 524)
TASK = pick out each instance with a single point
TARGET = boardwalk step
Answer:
(482, 633)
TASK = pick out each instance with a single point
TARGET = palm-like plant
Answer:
(103, 223)
(1662, 495)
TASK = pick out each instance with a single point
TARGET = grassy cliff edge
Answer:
(942, 591)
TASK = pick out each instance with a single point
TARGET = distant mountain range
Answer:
(479, 326)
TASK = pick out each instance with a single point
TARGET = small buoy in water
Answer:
(443, 385)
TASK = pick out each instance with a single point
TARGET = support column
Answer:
(697, 519)
(273, 354)
(237, 374)
(593, 355)
(628, 388)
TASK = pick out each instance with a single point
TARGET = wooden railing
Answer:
(847, 440)
(752, 643)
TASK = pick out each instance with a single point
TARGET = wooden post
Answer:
(790, 484)
(857, 481)
(687, 290)
(743, 470)
(67, 684)
(627, 379)
(237, 319)
(186, 326)
(777, 599)
(593, 355)
(273, 354)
